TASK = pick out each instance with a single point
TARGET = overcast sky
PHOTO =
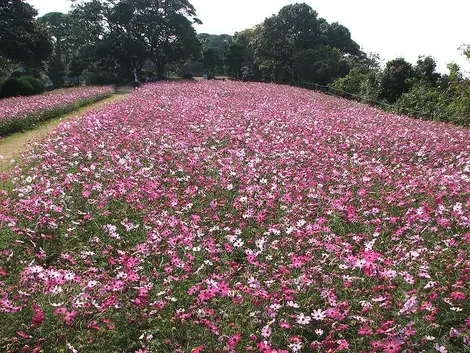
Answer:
(407, 28)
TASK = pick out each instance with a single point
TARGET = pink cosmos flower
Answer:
(125, 214)
(266, 331)
(39, 316)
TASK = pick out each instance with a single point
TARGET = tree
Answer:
(339, 37)
(465, 50)
(296, 44)
(6, 66)
(396, 79)
(124, 34)
(248, 39)
(59, 28)
(319, 65)
(56, 72)
(425, 70)
(273, 50)
(362, 81)
(211, 59)
(90, 38)
(220, 42)
(449, 100)
(75, 70)
(299, 25)
(22, 38)
(234, 58)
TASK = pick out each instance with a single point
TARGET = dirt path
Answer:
(13, 145)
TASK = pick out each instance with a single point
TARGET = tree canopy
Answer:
(123, 35)
(395, 80)
(296, 44)
(22, 38)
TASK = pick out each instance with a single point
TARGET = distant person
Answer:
(135, 79)
(247, 74)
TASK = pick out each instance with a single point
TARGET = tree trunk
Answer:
(161, 63)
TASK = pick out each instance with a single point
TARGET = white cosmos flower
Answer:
(318, 315)
(303, 319)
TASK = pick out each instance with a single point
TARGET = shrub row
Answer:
(21, 86)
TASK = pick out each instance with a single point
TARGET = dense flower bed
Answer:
(239, 217)
(19, 113)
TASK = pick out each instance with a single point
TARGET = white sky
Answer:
(407, 28)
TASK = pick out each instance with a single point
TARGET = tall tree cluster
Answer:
(114, 39)
(22, 39)
(110, 40)
(296, 44)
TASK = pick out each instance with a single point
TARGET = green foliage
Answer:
(319, 65)
(6, 66)
(58, 26)
(457, 92)
(425, 70)
(297, 45)
(122, 35)
(187, 76)
(363, 80)
(435, 97)
(220, 43)
(359, 85)
(111, 39)
(190, 66)
(234, 58)
(396, 79)
(16, 87)
(102, 78)
(417, 91)
(425, 101)
(22, 39)
(75, 70)
(56, 71)
(339, 37)
(351, 83)
(466, 50)
(38, 86)
(211, 59)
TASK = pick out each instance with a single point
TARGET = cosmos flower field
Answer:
(238, 217)
(18, 113)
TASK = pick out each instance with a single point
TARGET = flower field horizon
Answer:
(238, 217)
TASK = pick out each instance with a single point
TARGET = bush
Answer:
(423, 101)
(187, 76)
(38, 86)
(16, 87)
(358, 84)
